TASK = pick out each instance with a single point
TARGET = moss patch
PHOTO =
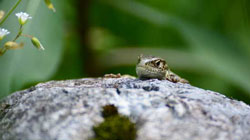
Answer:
(109, 111)
(114, 126)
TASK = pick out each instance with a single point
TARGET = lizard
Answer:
(151, 67)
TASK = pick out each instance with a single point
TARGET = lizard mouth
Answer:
(150, 69)
(150, 72)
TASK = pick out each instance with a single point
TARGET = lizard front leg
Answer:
(170, 76)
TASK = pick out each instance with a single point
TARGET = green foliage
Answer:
(205, 42)
(20, 67)
(114, 127)
(213, 38)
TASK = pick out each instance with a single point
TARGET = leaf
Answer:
(20, 67)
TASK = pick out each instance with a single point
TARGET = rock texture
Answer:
(67, 110)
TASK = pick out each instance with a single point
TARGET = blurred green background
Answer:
(207, 42)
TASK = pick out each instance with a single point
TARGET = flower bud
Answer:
(50, 5)
(37, 43)
(1, 14)
(10, 45)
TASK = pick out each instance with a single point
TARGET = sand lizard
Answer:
(151, 67)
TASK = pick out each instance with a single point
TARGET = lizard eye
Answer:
(158, 63)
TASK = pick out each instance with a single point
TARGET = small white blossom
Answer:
(3, 33)
(23, 17)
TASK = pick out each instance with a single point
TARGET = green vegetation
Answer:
(205, 42)
(114, 126)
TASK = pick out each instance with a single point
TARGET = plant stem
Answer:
(19, 33)
(29, 36)
(2, 51)
(10, 11)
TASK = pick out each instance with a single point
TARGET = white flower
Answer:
(23, 17)
(3, 33)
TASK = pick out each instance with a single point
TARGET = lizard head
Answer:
(149, 67)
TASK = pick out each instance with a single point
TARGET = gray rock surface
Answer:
(67, 110)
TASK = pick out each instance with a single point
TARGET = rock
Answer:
(161, 110)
